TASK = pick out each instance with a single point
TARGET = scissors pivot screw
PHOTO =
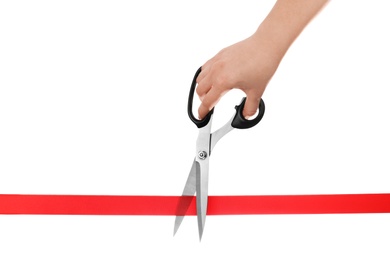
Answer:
(202, 155)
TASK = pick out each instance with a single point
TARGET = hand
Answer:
(250, 64)
(247, 65)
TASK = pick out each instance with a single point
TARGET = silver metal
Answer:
(198, 179)
(202, 155)
(203, 141)
(202, 178)
(189, 190)
(202, 187)
(221, 132)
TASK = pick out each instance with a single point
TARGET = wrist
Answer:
(285, 22)
(275, 41)
(269, 48)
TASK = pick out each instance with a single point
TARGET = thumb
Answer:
(251, 106)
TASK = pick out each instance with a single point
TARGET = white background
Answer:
(93, 98)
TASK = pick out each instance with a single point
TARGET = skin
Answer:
(250, 64)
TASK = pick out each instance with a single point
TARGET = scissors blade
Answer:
(202, 183)
(187, 195)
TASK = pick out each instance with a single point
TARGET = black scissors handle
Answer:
(238, 121)
(204, 121)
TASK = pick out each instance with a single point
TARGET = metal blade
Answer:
(202, 183)
(217, 135)
(202, 176)
(187, 196)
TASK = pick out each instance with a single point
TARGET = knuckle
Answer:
(199, 90)
(206, 103)
(202, 88)
(221, 80)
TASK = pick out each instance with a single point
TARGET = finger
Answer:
(251, 105)
(209, 101)
(204, 87)
(205, 70)
(203, 73)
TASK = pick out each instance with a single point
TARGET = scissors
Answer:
(197, 181)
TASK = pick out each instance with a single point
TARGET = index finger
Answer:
(210, 100)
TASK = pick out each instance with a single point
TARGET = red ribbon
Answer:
(218, 205)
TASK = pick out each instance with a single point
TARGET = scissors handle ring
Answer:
(238, 121)
(198, 122)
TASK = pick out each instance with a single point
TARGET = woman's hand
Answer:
(247, 65)
(250, 64)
